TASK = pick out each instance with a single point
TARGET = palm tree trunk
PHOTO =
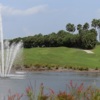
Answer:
(99, 34)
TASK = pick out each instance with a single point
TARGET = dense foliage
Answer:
(85, 38)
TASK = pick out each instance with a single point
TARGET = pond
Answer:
(55, 80)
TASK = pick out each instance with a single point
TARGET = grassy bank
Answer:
(62, 56)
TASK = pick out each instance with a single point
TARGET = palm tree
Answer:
(70, 27)
(86, 26)
(98, 27)
(94, 23)
(79, 27)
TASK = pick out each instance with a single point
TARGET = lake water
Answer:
(55, 80)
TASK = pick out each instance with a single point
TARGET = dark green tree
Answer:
(88, 40)
(93, 31)
(70, 27)
(53, 39)
(98, 27)
(94, 23)
(79, 27)
(86, 26)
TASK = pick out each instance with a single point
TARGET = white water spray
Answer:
(8, 53)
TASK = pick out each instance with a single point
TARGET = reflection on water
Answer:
(89, 74)
(55, 80)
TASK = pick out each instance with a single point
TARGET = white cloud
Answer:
(6, 10)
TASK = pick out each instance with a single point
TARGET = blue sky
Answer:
(28, 17)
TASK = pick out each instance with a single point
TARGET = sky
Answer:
(21, 18)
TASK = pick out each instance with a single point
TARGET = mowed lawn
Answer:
(62, 56)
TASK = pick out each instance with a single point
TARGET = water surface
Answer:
(55, 80)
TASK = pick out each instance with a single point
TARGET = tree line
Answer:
(85, 37)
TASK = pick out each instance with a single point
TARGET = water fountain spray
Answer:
(8, 53)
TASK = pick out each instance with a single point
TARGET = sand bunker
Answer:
(88, 51)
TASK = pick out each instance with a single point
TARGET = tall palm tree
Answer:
(79, 27)
(86, 26)
(94, 23)
(70, 27)
(98, 26)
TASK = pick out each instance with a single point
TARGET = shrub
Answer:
(76, 92)
(64, 96)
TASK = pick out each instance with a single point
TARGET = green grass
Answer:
(62, 56)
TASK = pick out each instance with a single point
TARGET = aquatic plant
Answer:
(75, 92)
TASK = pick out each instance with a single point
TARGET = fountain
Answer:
(8, 53)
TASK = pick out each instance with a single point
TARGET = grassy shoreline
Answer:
(58, 69)
(61, 57)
